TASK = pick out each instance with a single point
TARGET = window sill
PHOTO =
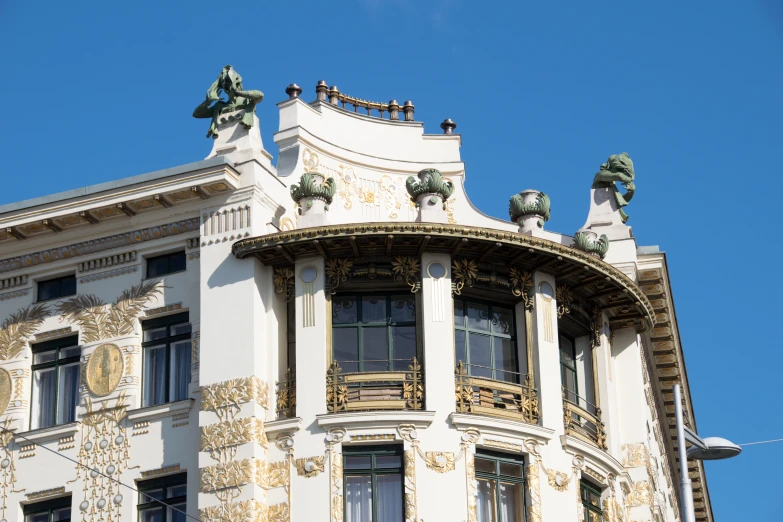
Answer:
(375, 419)
(47, 434)
(597, 458)
(164, 275)
(502, 427)
(160, 411)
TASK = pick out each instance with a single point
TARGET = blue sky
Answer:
(542, 93)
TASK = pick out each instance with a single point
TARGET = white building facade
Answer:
(329, 340)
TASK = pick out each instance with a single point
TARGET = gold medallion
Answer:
(5, 389)
(104, 369)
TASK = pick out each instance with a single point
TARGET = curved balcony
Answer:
(582, 419)
(513, 400)
(374, 390)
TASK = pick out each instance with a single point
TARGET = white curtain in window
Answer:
(358, 499)
(68, 394)
(180, 371)
(389, 498)
(154, 375)
(43, 399)
(485, 502)
(510, 502)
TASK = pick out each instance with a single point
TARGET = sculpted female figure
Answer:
(618, 168)
(230, 83)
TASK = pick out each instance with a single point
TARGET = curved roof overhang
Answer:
(589, 279)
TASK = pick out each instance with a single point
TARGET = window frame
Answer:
(168, 257)
(590, 508)
(497, 477)
(159, 322)
(372, 451)
(59, 280)
(388, 324)
(488, 333)
(144, 486)
(47, 346)
(48, 506)
(565, 367)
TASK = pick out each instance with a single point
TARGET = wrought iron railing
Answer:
(582, 419)
(374, 390)
(286, 396)
(513, 400)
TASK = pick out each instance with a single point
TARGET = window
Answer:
(591, 500)
(165, 264)
(55, 510)
(373, 483)
(568, 369)
(374, 332)
(485, 341)
(153, 494)
(166, 366)
(500, 480)
(55, 382)
(55, 288)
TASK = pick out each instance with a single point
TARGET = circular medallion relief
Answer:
(308, 274)
(5, 390)
(436, 270)
(546, 291)
(104, 369)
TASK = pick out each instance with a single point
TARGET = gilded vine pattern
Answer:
(7, 466)
(333, 439)
(226, 398)
(533, 484)
(18, 328)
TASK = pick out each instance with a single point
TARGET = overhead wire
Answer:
(92, 470)
(760, 442)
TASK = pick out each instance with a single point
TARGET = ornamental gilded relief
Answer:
(18, 328)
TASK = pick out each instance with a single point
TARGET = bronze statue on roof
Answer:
(230, 83)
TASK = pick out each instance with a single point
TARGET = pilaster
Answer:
(437, 330)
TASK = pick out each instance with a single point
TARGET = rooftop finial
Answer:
(448, 126)
(293, 91)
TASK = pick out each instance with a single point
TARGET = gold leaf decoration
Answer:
(243, 511)
(317, 466)
(407, 269)
(225, 398)
(19, 326)
(279, 513)
(440, 461)
(464, 273)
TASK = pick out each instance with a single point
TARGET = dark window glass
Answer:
(170, 492)
(56, 510)
(55, 382)
(56, 288)
(165, 264)
(485, 340)
(591, 500)
(166, 350)
(500, 481)
(374, 332)
(373, 485)
(568, 368)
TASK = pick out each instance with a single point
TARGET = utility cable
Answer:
(101, 474)
(760, 442)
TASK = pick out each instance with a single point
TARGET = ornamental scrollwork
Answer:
(225, 398)
(338, 271)
(244, 510)
(636, 455)
(640, 495)
(463, 273)
(440, 461)
(565, 298)
(283, 281)
(407, 269)
(521, 284)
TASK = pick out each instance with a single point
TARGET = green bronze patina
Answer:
(598, 247)
(308, 189)
(618, 168)
(518, 207)
(430, 181)
(230, 83)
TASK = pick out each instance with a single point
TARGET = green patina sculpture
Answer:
(430, 182)
(618, 167)
(598, 247)
(310, 190)
(518, 207)
(230, 83)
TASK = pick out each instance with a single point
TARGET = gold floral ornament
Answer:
(278, 513)
(5, 390)
(310, 160)
(564, 298)
(101, 321)
(463, 273)
(640, 495)
(309, 466)
(412, 389)
(243, 510)
(226, 398)
(19, 326)
(104, 369)
(636, 455)
(337, 271)
(407, 269)
(440, 461)
(521, 284)
(336, 390)
(284, 282)
(557, 480)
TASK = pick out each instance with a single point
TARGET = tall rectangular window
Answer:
(374, 332)
(56, 288)
(485, 340)
(568, 369)
(166, 366)
(55, 382)
(373, 483)
(500, 481)
(591, 501)
(166, 264)
(55, 510)
(163, 499)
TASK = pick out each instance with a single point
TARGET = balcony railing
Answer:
(286, 396)
(374, 390)
(582, 419)
(499, 398)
